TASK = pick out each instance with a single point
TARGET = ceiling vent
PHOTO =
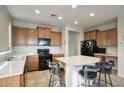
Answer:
(53, 15)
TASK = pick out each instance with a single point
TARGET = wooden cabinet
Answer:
(107, 38)
(29, 37)
(13, 81)
(32, 63)
(56, 39)
(44, 32)
(18, 36)
(101, 39)
(111, 37)
(32, 37)
(24, 36)
(90, 35)
(54, 56)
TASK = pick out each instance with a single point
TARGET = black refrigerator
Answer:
(89, 47)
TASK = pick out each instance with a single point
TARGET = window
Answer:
(5, 33)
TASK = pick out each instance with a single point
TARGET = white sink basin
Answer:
(17, 58)
(3, 64)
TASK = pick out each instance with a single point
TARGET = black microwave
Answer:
(44, 42)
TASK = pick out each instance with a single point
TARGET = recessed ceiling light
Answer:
(60, 17)
(75, 22)
(74, 6)
(37, 11)
(92, 14)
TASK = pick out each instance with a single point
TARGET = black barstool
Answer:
(89, 72)
(55, 70)
(106, 69)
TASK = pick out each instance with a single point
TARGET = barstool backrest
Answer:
(109, 64)
(93, 68)
(53, 67)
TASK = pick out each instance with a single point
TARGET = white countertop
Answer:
(12, 68)
(78, 60)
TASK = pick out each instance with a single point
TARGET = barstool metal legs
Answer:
(105, 79)
(110, 81)
(50, 80)
(56, 83)
(99, 79)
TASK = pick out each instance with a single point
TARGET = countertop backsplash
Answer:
(111, 50)
(33, 49)
(4, 56)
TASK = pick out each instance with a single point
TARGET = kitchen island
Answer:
(72, 66)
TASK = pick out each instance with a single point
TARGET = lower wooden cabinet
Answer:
(32, 63)
(13, 81)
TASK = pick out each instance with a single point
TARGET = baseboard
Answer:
(121, 75)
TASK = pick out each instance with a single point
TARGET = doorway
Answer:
(73, 38)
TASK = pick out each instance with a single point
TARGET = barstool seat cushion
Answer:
(91, 71)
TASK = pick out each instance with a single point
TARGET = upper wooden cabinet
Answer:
(18, 36)
(32, 37)
(24, 36)
(107, 38)
(29, 37)
(111, 37)
(101, 39)
(44, 32)
(56, 39)
(90, 35)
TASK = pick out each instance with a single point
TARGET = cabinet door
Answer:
(56, 39)
(2, 82)
(13, 81)
(86, 36)
(101, 39)
(93, 35)
(22, 80)
(112, 37)
(90, 35)
(31, 36)
(18, 36)
(43, 32)
(53, 39)
(32, 63)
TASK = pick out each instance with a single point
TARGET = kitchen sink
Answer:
(16, 58)
(3, 64)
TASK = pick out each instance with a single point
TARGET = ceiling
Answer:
(103, 13)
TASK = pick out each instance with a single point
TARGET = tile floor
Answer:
(41, 79)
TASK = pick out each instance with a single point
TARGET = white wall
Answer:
(104, 26)
(8, 19)
(65, 38)
(33, 25)
(73, 43)
(121, 45)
